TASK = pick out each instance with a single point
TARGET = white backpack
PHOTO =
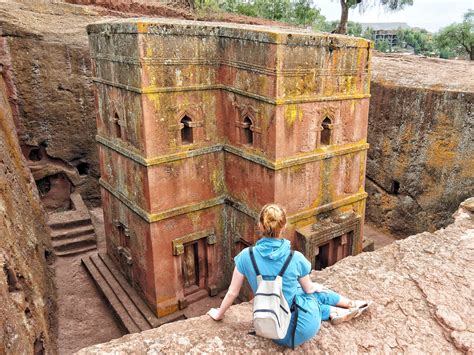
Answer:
(271, 313)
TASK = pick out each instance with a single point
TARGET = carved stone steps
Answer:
(136, 299)
(73, 243)
(75, 251)
(72, 231)
(111, 297)
(64, 220)
(124, 298)
(127, 304)
(65, 233)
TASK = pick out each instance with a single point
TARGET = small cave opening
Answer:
(48, 255)
(12, 281)
(395, 188)
(44, 185)
(83, 169)
(38, 346)
(55, 192)
(35, 154)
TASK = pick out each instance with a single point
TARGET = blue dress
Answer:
(270, 255)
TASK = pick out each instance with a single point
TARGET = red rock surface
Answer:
(27, 295)
(412, 282)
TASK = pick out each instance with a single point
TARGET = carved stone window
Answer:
(124, 234)
(326, 132)
(247, 127)
(117, 126)
(186, 130)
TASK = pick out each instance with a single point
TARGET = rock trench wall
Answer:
(420, 163)
(27, 296)
(412, 282)
(50, 89)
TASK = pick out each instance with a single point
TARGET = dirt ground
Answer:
(84, 316)
(380, 238)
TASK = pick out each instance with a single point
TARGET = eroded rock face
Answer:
(422, 288)
(420, 161)
(45, 54)
(27, 298)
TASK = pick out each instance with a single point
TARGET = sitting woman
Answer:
(270, 253)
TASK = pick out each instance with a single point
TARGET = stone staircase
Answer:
(126, 303)
(72, 231)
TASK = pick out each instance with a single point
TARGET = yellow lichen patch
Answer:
(142, 27)
(350, 85)
(293, 112)
(195, 218)
(444, 143)
(218, 183)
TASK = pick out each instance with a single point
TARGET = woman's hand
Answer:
(310, 286)
(319, 287)
(214, 313)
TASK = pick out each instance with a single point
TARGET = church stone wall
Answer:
(223, 119)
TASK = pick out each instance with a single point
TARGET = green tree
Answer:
(305, 13)
(383, 46)
(457, 38)
(354, 29)
(420, 40)
(390, 5)
(368, 33)
(298, 12)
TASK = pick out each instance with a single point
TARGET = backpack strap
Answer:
(254, 262)
(294, 308)
(287, 262)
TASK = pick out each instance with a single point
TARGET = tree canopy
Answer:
(298, 12)
(457, 38)
(420, 40)
(391, 5)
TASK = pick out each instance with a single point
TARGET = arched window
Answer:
(186, 130)
(117, 128)
(326, 131)
(247, 130)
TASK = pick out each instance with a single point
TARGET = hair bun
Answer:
(272, 219)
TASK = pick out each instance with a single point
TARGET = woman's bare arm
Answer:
(310, 286)
(232, 293)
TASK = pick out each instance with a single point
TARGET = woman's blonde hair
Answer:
(272, 219)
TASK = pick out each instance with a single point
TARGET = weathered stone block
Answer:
(201, 124)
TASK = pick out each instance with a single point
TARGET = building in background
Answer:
(385, 31)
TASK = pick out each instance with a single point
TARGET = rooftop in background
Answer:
(385, 26)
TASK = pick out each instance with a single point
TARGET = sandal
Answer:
(347, 315)
(361, 306)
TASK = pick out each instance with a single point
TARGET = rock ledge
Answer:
(422, 289)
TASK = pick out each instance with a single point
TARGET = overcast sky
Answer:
(429, 14)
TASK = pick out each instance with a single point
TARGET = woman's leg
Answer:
(332, 298)
(344, 302)
(333, 305)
